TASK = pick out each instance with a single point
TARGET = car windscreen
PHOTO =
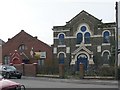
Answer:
(11, 67)
(1, 77)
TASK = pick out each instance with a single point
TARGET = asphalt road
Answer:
(49, 83)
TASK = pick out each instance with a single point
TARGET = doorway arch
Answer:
(82, 58)
(16, 60)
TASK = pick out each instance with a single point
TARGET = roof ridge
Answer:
(28, 35)
(83, 11)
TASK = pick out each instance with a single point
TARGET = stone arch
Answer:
(16, 60)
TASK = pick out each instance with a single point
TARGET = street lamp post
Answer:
(116, 44)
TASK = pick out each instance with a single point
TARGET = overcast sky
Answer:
(37, 17)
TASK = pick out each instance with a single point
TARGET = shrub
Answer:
(106, 71)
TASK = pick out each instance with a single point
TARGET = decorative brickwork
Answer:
(90, 42)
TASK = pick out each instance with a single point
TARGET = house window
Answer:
(21, 47)
(67, 49)
(106, 58)
(6, 60)
(106, 37)
(54, 50)
(79, 38)
(98, 48)
(83, 28)
(61, 58)
(61, 39)
(83, 35)
(87, 38)
(41, 62)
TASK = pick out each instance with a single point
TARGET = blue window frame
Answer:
(61, 39)
(61, 58)
(83, 28)
(79, 38)
(87, 38)
(106, 37)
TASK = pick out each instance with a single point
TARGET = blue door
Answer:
(82, 58)
(61, 58)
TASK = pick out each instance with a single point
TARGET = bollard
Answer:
(35, 66)
(23, 68)
(61, 70)
(81, 71)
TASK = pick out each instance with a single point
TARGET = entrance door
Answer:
(16, 61)
(82, 58)
(61, 58)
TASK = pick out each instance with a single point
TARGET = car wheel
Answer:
(7, 75)
(19, 77)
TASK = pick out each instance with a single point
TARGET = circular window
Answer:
(83, 28)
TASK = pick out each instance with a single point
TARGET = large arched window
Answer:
(61, 58)
(79, 38)
(87, 38)
(106, 37)
(61, 39)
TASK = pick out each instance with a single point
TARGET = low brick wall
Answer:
(30, 70)
(27, 69)
(19, 67)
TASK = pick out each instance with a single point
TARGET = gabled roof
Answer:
(76, 18)
(82, 13)
(1, 42)
(82, 47)
(23, 33)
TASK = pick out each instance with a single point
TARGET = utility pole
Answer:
(116, 43)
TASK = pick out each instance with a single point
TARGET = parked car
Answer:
(6, 84)
(10, 71)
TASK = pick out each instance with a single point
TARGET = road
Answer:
(49, 83)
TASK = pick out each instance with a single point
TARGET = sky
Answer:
(37, 17)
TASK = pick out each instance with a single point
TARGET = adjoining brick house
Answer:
(84, 39)
(24, 48)
(1, 43)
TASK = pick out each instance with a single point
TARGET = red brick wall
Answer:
(27, 69)
(24, 38)
(19, 67)
(30, 69)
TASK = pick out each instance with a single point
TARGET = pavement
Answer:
(78, 81)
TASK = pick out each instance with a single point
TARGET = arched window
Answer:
(61, 58)
(22, 47)
(106, 37)
(83, 28)
(61, 39)
(106, 58)
(87, 38)
(79, 38)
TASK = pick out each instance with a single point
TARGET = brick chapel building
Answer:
(24, 48)
(84, 39)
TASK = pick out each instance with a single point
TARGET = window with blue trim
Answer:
(83, 28)
(61, 39)
(106, 37)
(87, 38)
(61, 58)
(79, 38)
